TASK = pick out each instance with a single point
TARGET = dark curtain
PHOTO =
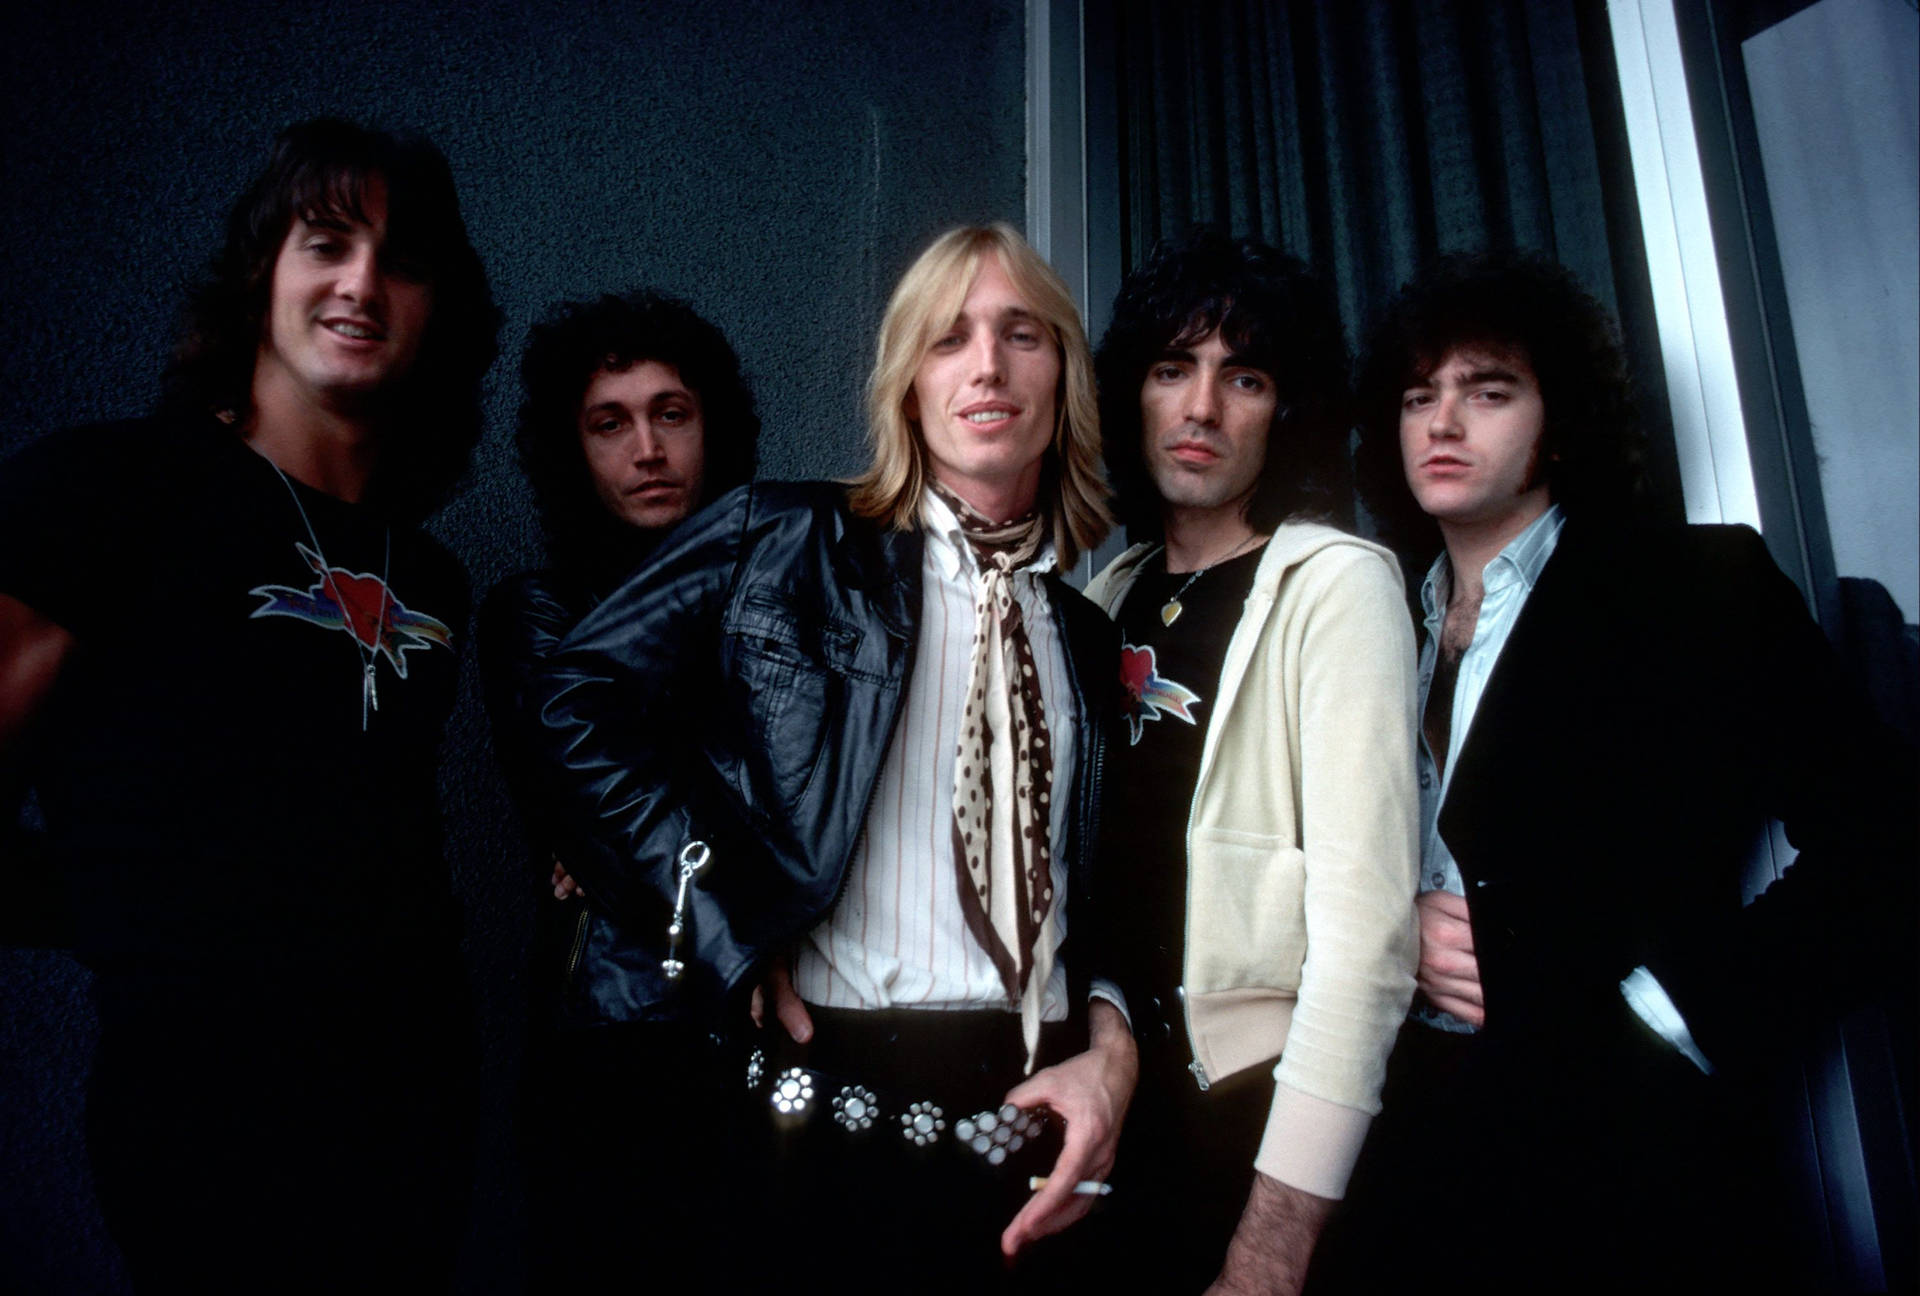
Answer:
(1364, 138)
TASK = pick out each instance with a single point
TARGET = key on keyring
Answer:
(693, 857)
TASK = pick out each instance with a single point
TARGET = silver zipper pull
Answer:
(693, 857)
(1199, 1072)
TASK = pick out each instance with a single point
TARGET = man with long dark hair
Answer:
(1262, 815)
(225, 662)
(1612, 709)
(635, 415)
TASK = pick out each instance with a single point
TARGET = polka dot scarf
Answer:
(1003, 773)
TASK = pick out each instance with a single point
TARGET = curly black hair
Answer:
(323, 166)
(1593, 447)
(1273, 314)
(564, 351)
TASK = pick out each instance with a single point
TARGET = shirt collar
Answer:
(947, 546)
(1521, 562)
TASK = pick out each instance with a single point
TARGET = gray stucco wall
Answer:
(778, 165)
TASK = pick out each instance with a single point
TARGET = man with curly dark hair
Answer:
(1612, 708)
(1593, 451)
(226, 659)
(635, 415)
(1263, 814)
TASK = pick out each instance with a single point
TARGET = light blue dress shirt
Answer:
(1508, 581)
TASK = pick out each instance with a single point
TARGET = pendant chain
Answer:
(1170, 610)
(369, 656)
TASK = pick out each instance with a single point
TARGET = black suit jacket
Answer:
(1662, 696)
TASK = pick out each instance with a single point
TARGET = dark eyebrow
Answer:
(326, 220)
(604, 407)
(1232, 360)
(1492, 376)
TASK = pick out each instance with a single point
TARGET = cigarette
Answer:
(1085, 1188)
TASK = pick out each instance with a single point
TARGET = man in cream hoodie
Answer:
(1261, 838)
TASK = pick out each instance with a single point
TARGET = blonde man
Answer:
(864, 700)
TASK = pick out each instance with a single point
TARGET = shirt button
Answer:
(1426, 779)
(1439, 879)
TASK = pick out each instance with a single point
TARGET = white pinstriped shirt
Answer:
(898, 937)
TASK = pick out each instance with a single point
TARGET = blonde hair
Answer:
(924, 305)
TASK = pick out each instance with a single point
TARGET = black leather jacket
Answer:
(741, 689)
(522, 623)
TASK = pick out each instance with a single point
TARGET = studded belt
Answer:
(797, 1094)
(913, 1076)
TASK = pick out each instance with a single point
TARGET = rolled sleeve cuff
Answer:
(1101, 988)
(1311, 1144)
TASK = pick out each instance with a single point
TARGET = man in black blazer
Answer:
(1612, 710)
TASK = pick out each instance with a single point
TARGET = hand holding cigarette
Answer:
(1085, 1188)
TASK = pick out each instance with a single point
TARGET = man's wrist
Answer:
(1102, 988)
(1107, 1028)
(1274, 1242)
(1110, 1038)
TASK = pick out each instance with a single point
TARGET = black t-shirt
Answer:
(201, 763)
(1170, 676)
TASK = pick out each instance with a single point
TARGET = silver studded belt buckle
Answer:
(995, 1135)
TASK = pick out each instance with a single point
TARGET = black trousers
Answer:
(869, 1210)
(1184, 1171)
(1598, 1160)
(253, 1133)
(646, 1155)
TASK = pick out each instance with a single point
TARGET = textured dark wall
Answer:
(777, 166)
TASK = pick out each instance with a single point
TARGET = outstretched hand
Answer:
(1089, 1094)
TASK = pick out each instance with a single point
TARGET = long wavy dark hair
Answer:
(323, 166)
(564, 351)
(1593, 449)
(1275, 315)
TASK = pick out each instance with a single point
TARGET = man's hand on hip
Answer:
(789, 1009)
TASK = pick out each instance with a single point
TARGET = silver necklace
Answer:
(369, 692)
(1170, 610)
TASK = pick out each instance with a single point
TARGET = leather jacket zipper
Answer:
(578, 949)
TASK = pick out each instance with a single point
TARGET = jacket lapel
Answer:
(1524, 708)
